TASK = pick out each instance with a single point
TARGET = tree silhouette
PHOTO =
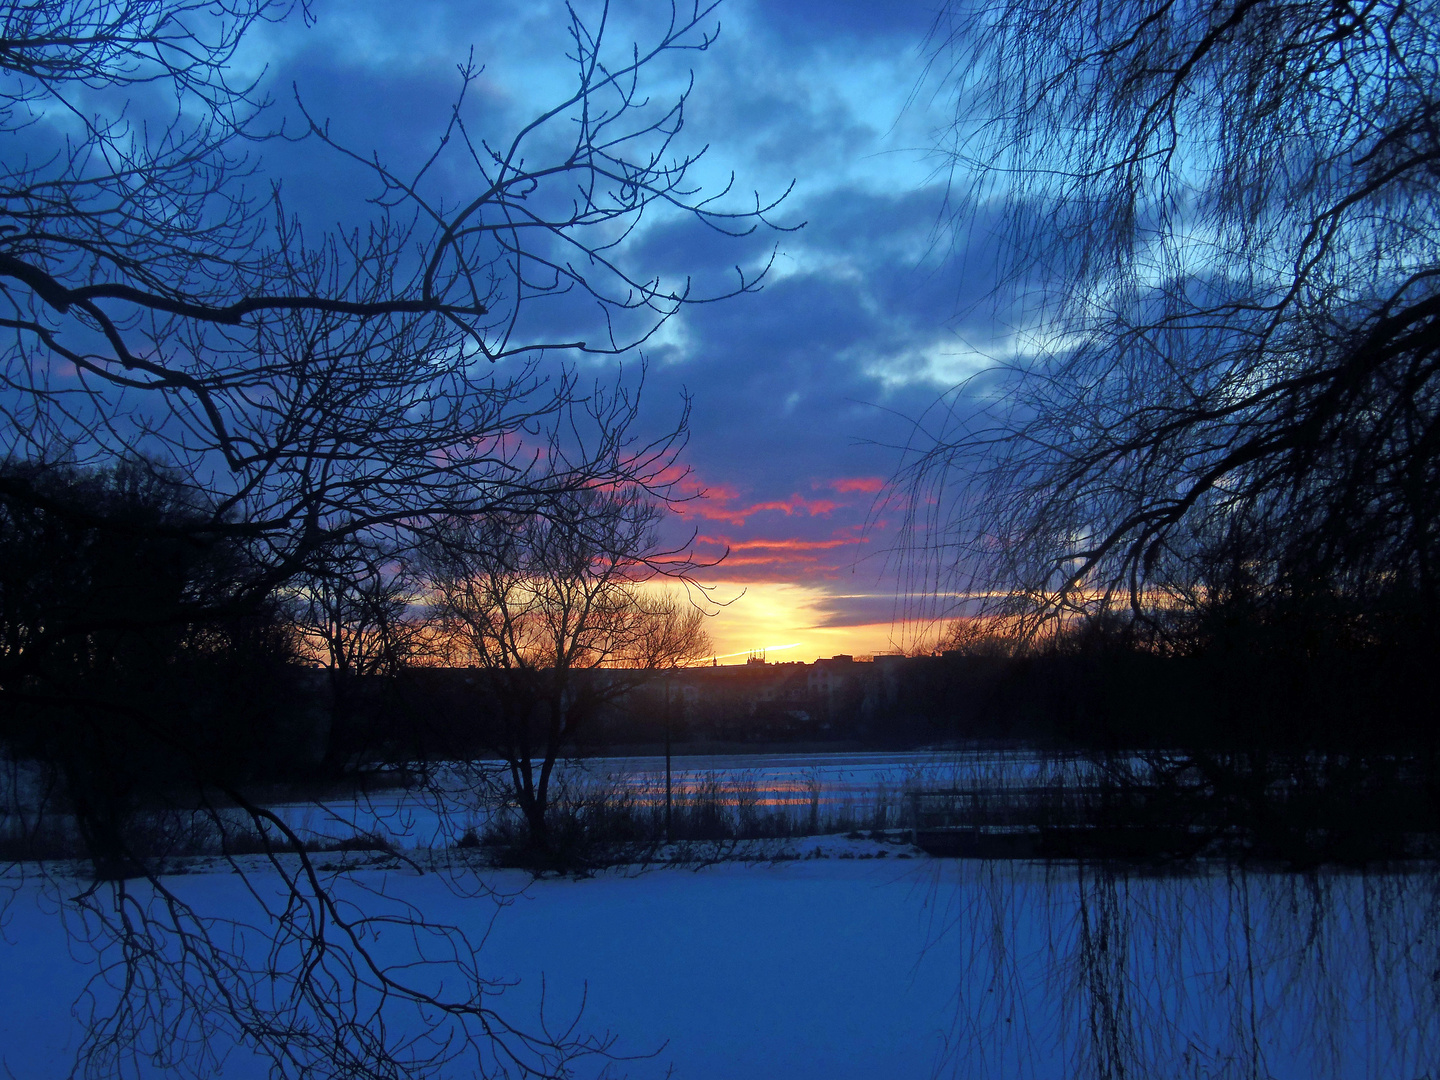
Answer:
(553, 615)
(1221, 240)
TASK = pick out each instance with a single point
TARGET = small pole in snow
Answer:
(668, 838)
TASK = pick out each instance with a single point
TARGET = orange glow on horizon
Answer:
(743, 615)
(762, 650)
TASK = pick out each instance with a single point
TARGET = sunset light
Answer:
(762, 651)
(814, 620)
(817, 539)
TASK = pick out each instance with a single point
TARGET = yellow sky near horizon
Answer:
(786, 620)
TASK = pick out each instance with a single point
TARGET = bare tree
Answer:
(1221, 268)
(554, 613)
(354, 619)
(312, 395)
(321, 386)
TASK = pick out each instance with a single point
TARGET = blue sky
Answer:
(800, 393)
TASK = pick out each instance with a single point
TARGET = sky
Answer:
(801, 395)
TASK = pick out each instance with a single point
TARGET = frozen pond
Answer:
(794, 779)
(820, 792)
(863, 788)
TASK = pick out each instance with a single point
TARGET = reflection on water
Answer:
(857, 783)
(1080, 971)
(833, 791)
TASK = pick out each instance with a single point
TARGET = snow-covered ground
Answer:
(825, 957)
(836, 963)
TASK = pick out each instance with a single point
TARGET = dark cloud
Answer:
(794, 124)
(860, 610)
(795, 424)
(859, 23)
(706, 254)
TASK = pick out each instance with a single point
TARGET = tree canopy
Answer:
(1221, 269)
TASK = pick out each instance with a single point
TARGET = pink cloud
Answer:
(725, 523)
(737, 515)
(790, 545)
(867, 484)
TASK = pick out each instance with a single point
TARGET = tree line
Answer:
(139, 670)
